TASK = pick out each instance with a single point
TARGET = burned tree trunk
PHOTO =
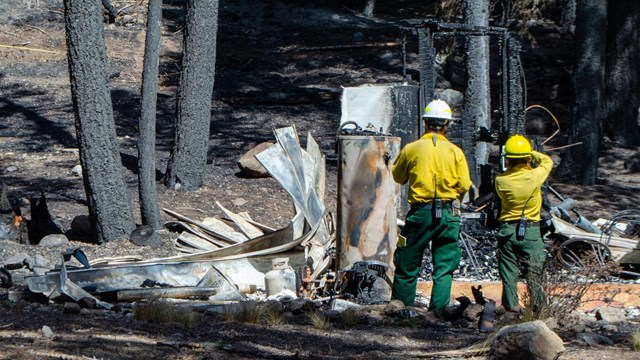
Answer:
(193, 110)
(41, 224)
(11, 224)
(477, 98)
(623, 74)
(110, 208)
(147, 144)
(580, 163)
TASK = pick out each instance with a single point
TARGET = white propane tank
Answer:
(281, 277)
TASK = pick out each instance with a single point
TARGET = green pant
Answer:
(515, 255)
(421, 228)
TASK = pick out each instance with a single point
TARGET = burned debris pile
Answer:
(234, 263)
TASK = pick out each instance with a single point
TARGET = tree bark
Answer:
(110, 208)
(188, 159)
(580, 163)
(146, 147)
(477, 97)
(623, 82)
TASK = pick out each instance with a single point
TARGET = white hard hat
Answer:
(437, 109)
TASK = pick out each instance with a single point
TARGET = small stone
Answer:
(611, 314)
(593, 339)
(271, 306)
(609, 328)
(39, 270)
(579, 327)
(374, 318)
(47, 332)
(77, 170)
(16, 261)
(393, 308)
(301, 306)
(88, 303)
(11, 168)
(239, 202)
(53, 240)
(71, 308)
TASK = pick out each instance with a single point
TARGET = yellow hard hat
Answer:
(437, 109)
(517, 146)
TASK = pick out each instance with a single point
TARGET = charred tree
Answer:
(147, 144)
(580, 163)
(41, 223)
(623, 75)
(11, 224)
(188, 159)
(110, 208)
(476, 111)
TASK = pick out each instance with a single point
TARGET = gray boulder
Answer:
(53, 240)
(250, 166)
(611, 314)
(527, 341)
(15, 261)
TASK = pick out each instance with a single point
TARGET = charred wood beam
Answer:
(41, 224)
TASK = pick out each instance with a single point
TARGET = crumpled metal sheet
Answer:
(78, 283)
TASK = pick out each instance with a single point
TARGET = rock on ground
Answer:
(530, 340)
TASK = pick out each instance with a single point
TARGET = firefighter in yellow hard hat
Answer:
(520, 244)
(437, 173)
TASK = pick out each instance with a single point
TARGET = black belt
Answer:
(427, 206)
(515, 222)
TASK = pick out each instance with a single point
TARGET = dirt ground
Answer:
(264, 81)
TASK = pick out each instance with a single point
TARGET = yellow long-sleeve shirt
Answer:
(520, 188)
(432, 171)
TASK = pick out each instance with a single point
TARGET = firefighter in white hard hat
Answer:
(438, 175)
(520, 245)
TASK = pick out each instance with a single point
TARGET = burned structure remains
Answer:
(346, 256)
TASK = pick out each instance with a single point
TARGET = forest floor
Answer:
(273, 70)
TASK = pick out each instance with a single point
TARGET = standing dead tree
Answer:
(146, 146)
(110, 208)
(188, 159)
(580, 164)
